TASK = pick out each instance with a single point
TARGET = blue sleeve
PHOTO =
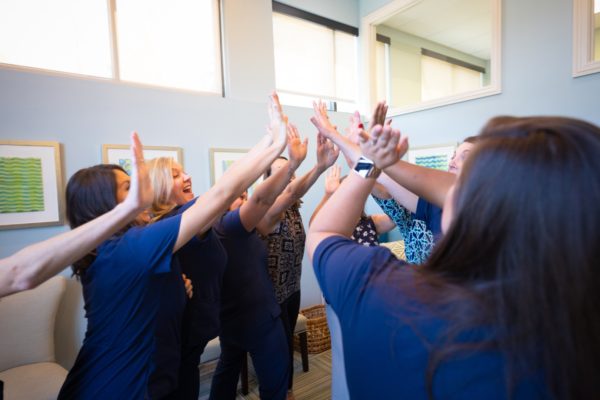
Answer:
(343, 267)
(153, 244)
(431, 214)
(230, 224)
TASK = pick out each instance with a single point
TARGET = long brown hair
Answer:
(522, 251)
(90, 193)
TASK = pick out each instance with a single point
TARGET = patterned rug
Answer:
(312, 385)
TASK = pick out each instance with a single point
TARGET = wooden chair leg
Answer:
(304, 350)
(244, 375)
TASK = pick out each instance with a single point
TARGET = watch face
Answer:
(363, 166)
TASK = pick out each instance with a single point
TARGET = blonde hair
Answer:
(161, 176)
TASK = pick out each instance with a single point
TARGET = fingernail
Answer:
(361, 126)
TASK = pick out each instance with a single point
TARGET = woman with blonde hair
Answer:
(122, 280)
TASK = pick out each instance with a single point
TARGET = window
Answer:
(382, 66)
(314, 58)
(586, 37)
(61, 35)
(143, 41)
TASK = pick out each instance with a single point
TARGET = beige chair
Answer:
(397, 248)
(28, 366)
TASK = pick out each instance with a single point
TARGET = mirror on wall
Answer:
(586, 37)
(426, 53)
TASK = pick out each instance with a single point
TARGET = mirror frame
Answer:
(583, 44)
(368, 35)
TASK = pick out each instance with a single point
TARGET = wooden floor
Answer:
(312, 385)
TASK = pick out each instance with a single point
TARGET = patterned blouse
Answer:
(286, 249)
(365, 232)
(418, 239)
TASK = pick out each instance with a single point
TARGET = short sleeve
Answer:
(343, 267)
(153, 244)
(230, 224)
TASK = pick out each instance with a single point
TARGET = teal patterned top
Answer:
(418, 239)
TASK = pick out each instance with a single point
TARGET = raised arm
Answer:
(38, 262)
(236, 179)
(352, 194)
(332, 182)
(327, 154)
(254, 210)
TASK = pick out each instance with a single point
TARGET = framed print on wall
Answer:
(120, 154)
(31, 187)
(436, 156)
(221, 159)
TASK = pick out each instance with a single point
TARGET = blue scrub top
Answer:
(203, 261)
(248, 297)
(431, 215)
(384, 332)
(121, 290)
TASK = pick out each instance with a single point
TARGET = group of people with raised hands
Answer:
(498, 297)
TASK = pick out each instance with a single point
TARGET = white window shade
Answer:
(62, 35)
(440, 79)
(174, 44)
(381, 66)
(304, 57)
(345, 66)
(313, 60)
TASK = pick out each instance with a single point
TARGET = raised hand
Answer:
(379, 114)
(327, 152)
(141, 193)
(297, 148)
(278, 121)
(384, 146)
(355, 128)
(332, 180)
(321, 121)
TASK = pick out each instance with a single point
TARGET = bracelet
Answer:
(366, 168)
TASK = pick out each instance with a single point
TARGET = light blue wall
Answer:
(83, 114)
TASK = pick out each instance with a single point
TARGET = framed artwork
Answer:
(31, 186)
(221, 159)
(120, 154)
(437, 156)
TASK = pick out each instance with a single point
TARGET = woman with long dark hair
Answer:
(123, 277)
(507, 305)
(38, 262)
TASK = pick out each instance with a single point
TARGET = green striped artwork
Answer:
(21, 185)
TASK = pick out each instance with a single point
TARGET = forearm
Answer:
(339, 214)
(255, 209)
(292, 193)
(428, 183)
(319, 206)
(404, 197)
(237, 178)
(36, 263)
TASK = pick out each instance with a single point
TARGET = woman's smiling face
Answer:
(181, 192)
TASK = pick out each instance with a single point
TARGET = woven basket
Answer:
(317, 330)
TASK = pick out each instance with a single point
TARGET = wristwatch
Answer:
(366, 168)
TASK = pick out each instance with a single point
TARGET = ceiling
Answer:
(463, 25)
